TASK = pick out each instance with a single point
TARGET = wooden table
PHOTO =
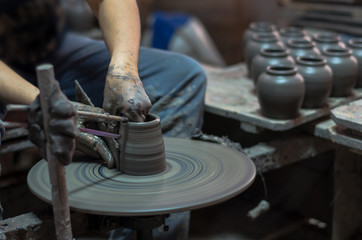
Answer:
(345, 130)
(231, 94)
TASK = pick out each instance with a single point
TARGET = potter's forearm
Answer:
(120, 25)
(15, 89)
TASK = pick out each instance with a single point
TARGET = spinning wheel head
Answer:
(197, 174)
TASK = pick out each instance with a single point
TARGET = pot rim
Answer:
(355, 42)
(337, 52)
(292, 32)
(267, 37)
(274, 52)
(262, 26)
(281, 70)
(300, 43)
(154, 119)
(326, 37)
(311, 60)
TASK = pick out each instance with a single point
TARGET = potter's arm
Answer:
(120, 25)
(15, 89)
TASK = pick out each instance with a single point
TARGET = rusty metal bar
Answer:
(63, 229)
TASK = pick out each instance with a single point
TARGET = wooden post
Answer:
(46, 81)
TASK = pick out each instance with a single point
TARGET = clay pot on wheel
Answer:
(317, 77)
(302, 47)
(344, 69)
(328, 40)
(356, 46)
(259, 27)
(142, 150)
(280, 91)
(258, 42)
(290, 33)
(269, 57)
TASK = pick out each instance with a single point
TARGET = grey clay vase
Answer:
(328, 40)
(317, 77)
(356, 46)
(269, 57)
(280, 91)
(344, 69)
(258, 42)
(142, 149)
(257, 28)
(290, 33)
(302, 47)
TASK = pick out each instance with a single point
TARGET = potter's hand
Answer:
(62, 127)
(90, 144)
(124, 95)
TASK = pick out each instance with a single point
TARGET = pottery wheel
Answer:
(198, 174)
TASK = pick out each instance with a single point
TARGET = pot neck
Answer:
(300, 43)
(311, 61)
(281, 70)
(326, 38)
(337, 52)
(274, 52)
(355, 43)
(264, 38)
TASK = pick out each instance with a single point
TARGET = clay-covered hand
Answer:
(124, 95)
(90, 144)
(62, 127)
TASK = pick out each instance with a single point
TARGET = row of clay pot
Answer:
(285, 88)
(262, 35)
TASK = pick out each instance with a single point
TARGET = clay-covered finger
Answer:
(96, 147)
(60, 107)
(62, 147)
(64, 127)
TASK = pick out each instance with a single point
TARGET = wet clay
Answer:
(142, 150)
(198, 174)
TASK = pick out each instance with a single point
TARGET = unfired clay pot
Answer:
(257, 28)
(317, 77)
(258, 42)
(142, 150)
(356, 46)
(328, 40)
(280, 91)
(344, 69)
(269, 57)
(302, 47)
(289, 33)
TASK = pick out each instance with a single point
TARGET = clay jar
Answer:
(142, 149)
(344, 69)
(356, 46)
(257, 28)
(302, 47)
(280, 91)
(317, 77)
(258, 42)
(328, 40)
(289, 33)
(269, 57)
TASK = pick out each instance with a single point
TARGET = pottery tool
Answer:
(198, 174)
(56, 171)
(90, 115)
(10, 125)
(99, 117)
